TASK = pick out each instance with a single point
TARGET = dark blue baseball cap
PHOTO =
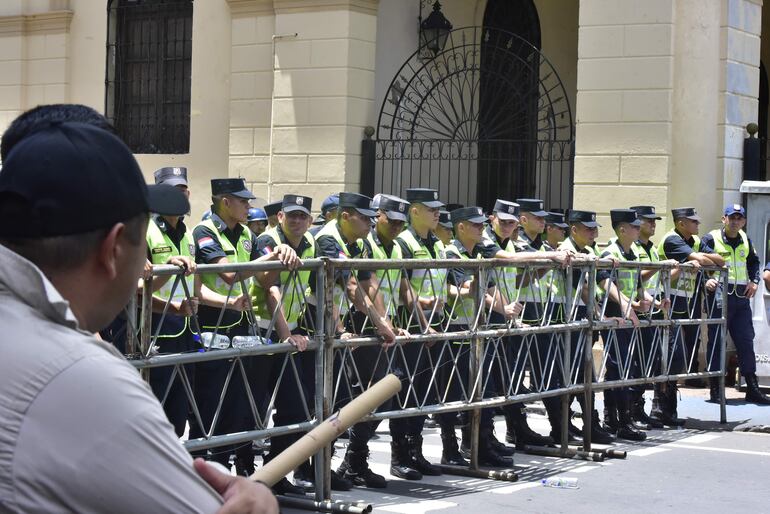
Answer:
(735, 208)
(71, 178)
(331, 202)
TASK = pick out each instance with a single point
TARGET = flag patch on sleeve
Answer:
(205, 241)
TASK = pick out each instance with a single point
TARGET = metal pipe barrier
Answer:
(474, 335)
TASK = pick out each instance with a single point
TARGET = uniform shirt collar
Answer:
(221, 226)
(431, 240)
(493, 235)
(164, 227)
(303, 243)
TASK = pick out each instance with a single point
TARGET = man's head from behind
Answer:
(74, 203)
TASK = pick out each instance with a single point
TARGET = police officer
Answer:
(328, 212)
(222, 239)
(424, 293)
(371, 363)
(732, 243)
(467, 244)
(170, 242)
(271, 210)
(647, 251)
(444, 228)
(502, 232)
(257, 220)
(555, 230)
(683, 245)
(583, 230)
(626, 298)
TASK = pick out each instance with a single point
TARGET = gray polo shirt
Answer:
(79, 430)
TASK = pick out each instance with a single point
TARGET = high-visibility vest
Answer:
(507, 286)
(426, 283)
(627, 278)
(735, 258)
(294, 286)
(339, 293)
(684, 285)
(568, 245)
(463, 308)
(241, 252)
(651, 284)
(161, 248)
(389, 281)
(537, 288)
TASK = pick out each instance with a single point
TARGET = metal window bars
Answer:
(463, 353)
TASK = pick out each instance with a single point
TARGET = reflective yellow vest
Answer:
(684, 285)
(735, 258)
(389, 281)
(463, 309)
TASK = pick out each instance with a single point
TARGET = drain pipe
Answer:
(272, 118)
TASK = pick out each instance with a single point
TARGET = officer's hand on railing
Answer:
(751, 290)
(671, 262)
(240, 495)
(402, 332)
(187, 307)
(287, 256)
(641, 305)
(147, 271)
(298, 341)
(430, 331)
(711, 285)
(184, 262)
(561, 257)
(663, 305)
(387, 334)
(241, 303)
(513, 310)
(692, 264)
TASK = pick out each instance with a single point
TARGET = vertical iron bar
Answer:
(321, 391)
(566, 356)
(588, 359)
(723, 349)
(330, 325)
(146, 323)
(131, 326)
(475, 370)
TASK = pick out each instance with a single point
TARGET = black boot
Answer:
(638, 414)
(401, 463)
(610, 413)
(753, 393)
(626, 428)
(518, 431)
(664, 405)
(421, 463)
(554, 418)
(450, 453)
(355, 468)
(499, 447)
(714, 390)
(488, 456)
(599, 434)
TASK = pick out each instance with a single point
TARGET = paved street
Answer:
(705, 467)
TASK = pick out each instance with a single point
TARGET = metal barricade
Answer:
(474, 335)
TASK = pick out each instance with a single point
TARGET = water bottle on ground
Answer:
(560, 482)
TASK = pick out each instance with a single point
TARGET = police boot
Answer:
(626, 428)
(714, 390)
(355, 468)
(401, 463)
(638, 414)
(610, 413)
(488, 454)
(753, 393)
(673, 398)
(518, 431)
(450, 453)
(553, 409)
(599, 434)
(421, 463)
(244, 466)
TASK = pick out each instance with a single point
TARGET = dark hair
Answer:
(43, 116)
(65, 253)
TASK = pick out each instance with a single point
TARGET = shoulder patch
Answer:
(205, 241)
(247, 245)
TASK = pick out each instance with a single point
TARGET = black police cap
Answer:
(272, 209)
(231, 186)
(427, 197)
(472, 214)
(71, 178)
(646, 211)
(532, 206)
(173, 176)
(587, 218)
(618, 216)
(445, 219)
(292, 203)
(506, 210)
(685, 212)
(359, 202)
(394, 208)
(556, 219)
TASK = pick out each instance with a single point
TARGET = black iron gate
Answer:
(440, 128)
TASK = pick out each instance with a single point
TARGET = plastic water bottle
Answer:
(220, 342)
(560, 482)
(247, 341)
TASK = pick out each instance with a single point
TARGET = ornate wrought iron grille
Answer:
(149, 61)
(439, 128)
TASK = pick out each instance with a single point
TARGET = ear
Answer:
(111, 250)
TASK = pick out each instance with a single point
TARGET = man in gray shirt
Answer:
(79, 430)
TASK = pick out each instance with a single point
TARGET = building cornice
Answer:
(47, 23)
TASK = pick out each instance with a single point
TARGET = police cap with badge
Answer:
(618, 216)
(272, 209)
(293, 203)
(359, 202)
(587, 218)
(445, 219)
(173, 176)
(506, 210)
(427, 197)
(646, 212)
(685, 212)
(472, 214)
(231, 186)
(556, 219)
(394, 208)
(532, 206)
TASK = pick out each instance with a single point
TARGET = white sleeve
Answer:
(96, 440)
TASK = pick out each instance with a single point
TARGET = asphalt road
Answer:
(704, 467)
